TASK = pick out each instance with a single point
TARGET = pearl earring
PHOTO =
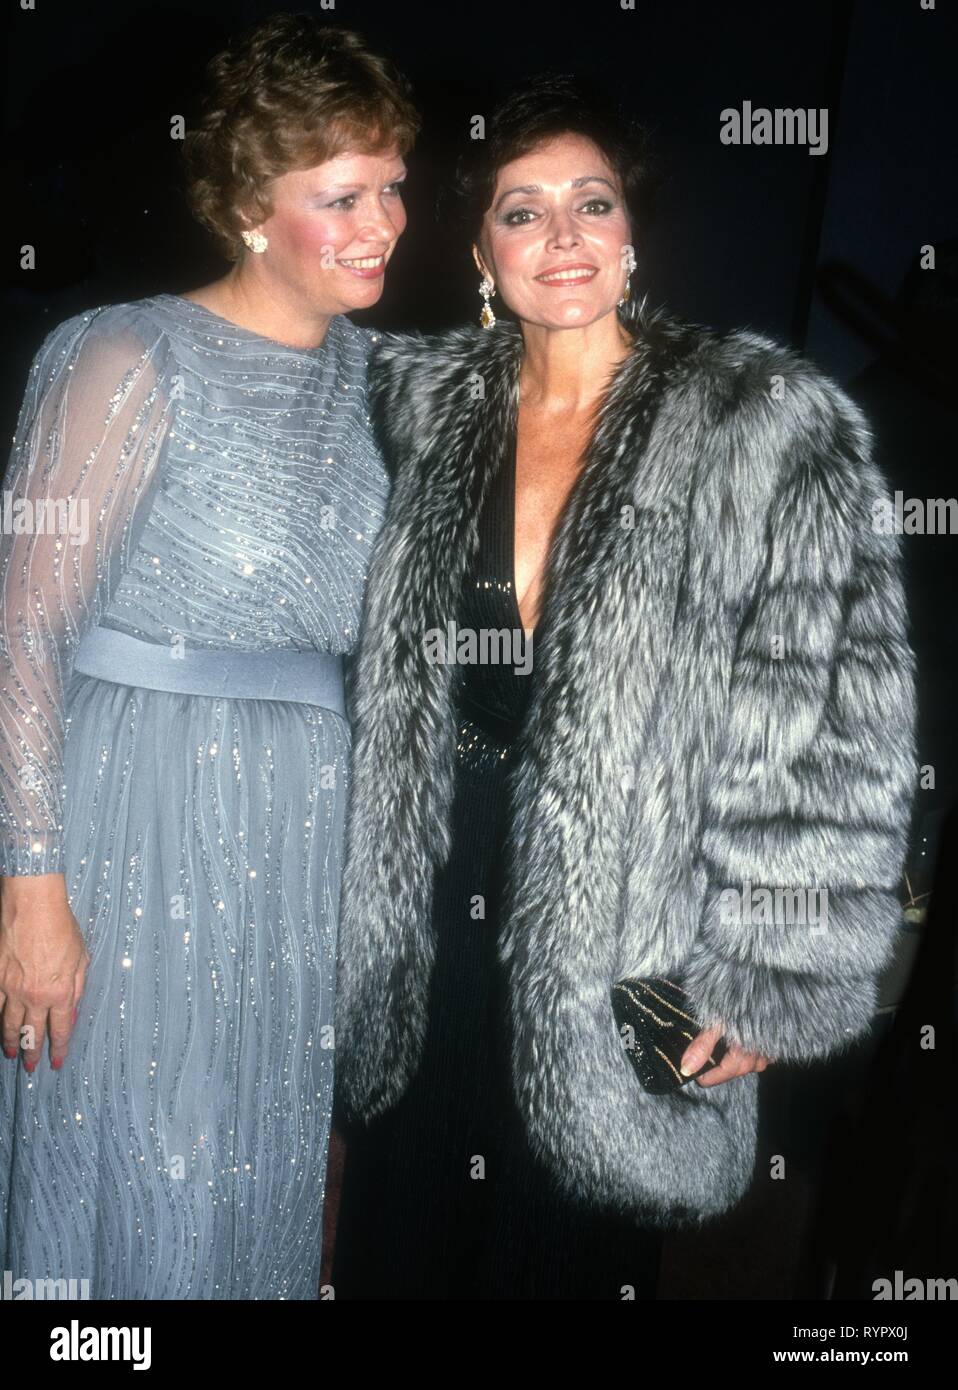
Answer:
(486, 288)
(255, 241)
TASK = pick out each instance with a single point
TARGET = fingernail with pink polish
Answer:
(30, 1066)
(57, 1063)
(9, 1052)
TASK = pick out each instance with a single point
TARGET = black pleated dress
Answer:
(442, 1197)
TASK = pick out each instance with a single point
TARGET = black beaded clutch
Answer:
(656, 1026)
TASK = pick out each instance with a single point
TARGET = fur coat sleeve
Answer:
(818, 761)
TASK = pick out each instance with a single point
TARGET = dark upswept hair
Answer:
(548, 105)
(287, 93)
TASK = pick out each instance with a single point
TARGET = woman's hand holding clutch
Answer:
(736, 1061)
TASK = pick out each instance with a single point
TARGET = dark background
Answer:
(816, 250)
(813, 249)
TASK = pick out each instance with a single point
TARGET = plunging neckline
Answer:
(510, 540)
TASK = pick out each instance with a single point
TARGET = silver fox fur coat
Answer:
(728, 700)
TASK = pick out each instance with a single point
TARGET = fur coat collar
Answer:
(724, 703)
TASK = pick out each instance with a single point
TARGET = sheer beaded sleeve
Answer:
(91, 427)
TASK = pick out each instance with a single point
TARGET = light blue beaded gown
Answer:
(220, 491)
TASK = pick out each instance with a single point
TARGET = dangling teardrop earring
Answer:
(486, 288)
(630, 266)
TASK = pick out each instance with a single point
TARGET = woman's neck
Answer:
(567, 369)
(252, 300)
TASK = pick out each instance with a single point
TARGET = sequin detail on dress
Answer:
(232, 496)
(490, 702)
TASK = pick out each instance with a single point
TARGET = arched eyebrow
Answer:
(592, 178)
(530, 188)
(523, 188)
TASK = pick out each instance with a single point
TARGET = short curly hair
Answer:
(539, 109)
(286, 93)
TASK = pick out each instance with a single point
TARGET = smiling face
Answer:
(553, 239)
(333, 229)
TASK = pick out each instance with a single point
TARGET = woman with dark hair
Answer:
(174, 741)
(720, 710)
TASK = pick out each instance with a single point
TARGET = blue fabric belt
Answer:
(309, 678)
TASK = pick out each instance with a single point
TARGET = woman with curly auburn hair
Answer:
(196, 493)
